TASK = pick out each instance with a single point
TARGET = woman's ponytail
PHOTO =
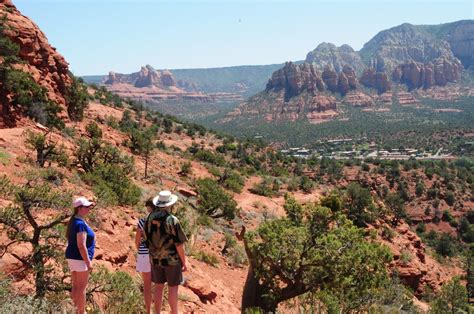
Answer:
(68, 228)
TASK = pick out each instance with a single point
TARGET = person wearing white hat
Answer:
(80, 251)
(165, 239)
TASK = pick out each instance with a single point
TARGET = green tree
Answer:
(452, 299)
(77, 99)
(214, 201)
(294, 211)
(23, 225)
(359, 203)
(111, 184)
(46, 149)
(232, 180)
(396, 205)
(445, 245)
(332, 201)
(325, 253)
(142, 144)
(30, 98)
(306, 184)
(450, 198)
(420, 188)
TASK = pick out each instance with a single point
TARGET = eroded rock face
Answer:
(46, 66)
(146, 77)
(425, 75)
(377, 80)
(330, 79)
(404, 43)
(294, 79)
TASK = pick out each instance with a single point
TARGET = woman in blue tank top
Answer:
(80, 251)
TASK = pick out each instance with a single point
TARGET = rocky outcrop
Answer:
(330, 79)
(46, 66)
(328, 55)
(294, 79)
(418, 75)
(413, 266)
(377, 80)
(146, 77)
(272, 106)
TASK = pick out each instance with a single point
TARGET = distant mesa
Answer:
(146, 77)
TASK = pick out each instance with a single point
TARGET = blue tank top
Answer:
(72, 250)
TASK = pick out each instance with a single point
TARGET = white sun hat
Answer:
(82, 201)
(165, 199)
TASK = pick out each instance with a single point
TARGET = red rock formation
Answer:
(351, 76)
(167, 79)
(46, 66)
(412, 265)
(295, 79)
(359, 99)
(342, 84)
(377, 80)
(146, 77)
(330, 79)
(439, 72)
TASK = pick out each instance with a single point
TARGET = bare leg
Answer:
(147, 291)
(74, 289)
(82, 278)
(158, 297)
(173, 299)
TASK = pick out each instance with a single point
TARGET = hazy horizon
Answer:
(96, 37)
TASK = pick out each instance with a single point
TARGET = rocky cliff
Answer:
(426, 75)
(295, 79)
(38, 58)
(404, 43)
(418, 57)
(460, 36)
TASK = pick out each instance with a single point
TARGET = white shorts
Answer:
(143, 263)
(76, 265)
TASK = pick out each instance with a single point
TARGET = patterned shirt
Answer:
(163, 232)
(143, 249)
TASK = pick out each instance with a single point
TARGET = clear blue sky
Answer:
(122, 35)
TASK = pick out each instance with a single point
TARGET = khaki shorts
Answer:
(173, 274)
